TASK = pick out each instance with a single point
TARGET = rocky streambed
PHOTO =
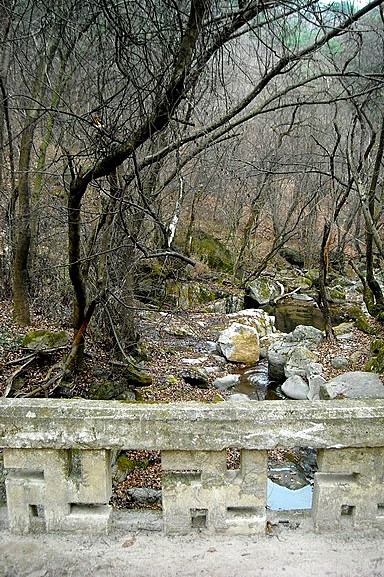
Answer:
(198, 360)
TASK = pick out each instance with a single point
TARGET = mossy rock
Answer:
(342, 328)
(123, 463)
(293, 256)
(211, 251)
(363, 325)
(44, 339)
(336, 294)
(136, 377)
(352, 311)
(106, 390)
(376, 362)
(186, 295)
(171, 380)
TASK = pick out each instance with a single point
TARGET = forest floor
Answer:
(168, 340)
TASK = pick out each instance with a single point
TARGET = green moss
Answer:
(125, 464)
(171, 380)
(363, 325)
(106, 390)
(376, 362)
(137, 377)
(211, 251)
(336, 293)
(43, 339)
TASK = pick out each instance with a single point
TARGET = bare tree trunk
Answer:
(371, 279)
(323, 270)
(21, 309)
(76, 193)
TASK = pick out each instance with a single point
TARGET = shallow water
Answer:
(282, 499)
(254, 381)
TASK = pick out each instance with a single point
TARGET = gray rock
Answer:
(227, 382)
(295, 388)
(277, 355)
(219, 360)
(211, 346)
(314, 369)
(356, 385)
(264, 290)
(197, 377)
(144, 495)
(309, 336)
(43, 339)
(229, 304)
(127, 395)
(315, 385)
(280, 350)
(299, 361)
(301, 297)
(340, 362)
(256, 318)
(194, 361)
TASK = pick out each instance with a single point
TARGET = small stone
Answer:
(195, 361)
(295, 388)
(227, 382)
(339, 362)
(196, 377)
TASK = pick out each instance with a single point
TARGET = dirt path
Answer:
(288, 552)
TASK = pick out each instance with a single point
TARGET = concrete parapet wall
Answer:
(57, 453)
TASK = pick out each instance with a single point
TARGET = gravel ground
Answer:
(290, 550)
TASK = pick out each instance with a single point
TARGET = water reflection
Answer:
(254, 381)
(283, 499)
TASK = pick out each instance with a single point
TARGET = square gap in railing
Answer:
(347, 510)
(199, 518)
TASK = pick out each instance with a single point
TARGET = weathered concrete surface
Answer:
(41, 478)
(291, 550)
(58, 423)
(46, 441)
(199, 491)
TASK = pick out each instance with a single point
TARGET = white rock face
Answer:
(256, 318)
(356, 385)
(240, 344)
(263, 290)
(295, 388)
(315, 384)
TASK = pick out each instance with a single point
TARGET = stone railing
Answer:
(58, 457)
